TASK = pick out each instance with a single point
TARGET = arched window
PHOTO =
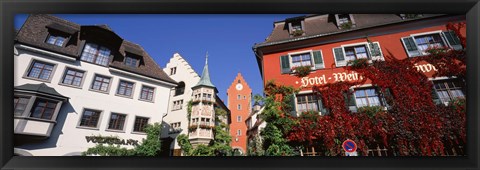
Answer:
(180, 89)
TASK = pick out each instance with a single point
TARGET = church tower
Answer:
(202, 116)
(239, 103)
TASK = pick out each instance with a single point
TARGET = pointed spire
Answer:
(205, 79)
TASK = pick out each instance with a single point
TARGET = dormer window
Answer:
(131, 61)
(296, 27)
(57, 40)
(96, 54)
(345, 21)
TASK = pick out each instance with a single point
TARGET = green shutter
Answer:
(387, 94)
(285, 64)
(350, 102)
(339, 56)
(321, 107)
(317, 57)
(375, 50)
(293, 105)
(436, 99)
(453, 40)
(411, 47)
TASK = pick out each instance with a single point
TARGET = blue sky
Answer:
(227, 38)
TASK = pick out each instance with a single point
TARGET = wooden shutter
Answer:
(317, 58)
(339, 57)
(453, 40)
(284, 64)
(350, 101)
(410, 46)
(376, 51)
(384, 96)
(321, 107)
(436, 99)
(293, 104)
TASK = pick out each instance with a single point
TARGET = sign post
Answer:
(350, 148)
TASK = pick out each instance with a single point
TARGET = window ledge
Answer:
(73, 86)
(88, 128)
(124, 96)
(37, 79)
(138, 133)
(145, 100)
(99, 91)
(115, 130)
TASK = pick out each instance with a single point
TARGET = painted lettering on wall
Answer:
(111, 140)
(425, 68)
(335, 77)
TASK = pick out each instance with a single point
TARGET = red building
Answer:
(327, 42)
(239, 103)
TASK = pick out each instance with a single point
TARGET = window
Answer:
(209, 97)
(290, 61)
(448, 90)
(116, 121)
(56, 40)
(244, 97)
(125, 88)
(239, 107)
(417, 44)
(130, 61)
(296, 28)
(177, 105)
(343, 19)
(239, 81)
(90, 118)
(101, 83)
(239, 118)
(174, 127)
(173, 70)
(239, 97)
(43, 109)
(147, 93)
(301, 60)
(349, 52)
(356, 52)
(19, 105)
(140, 123)
(367, 97)
(306, 103)
(73, 77)
(180, 89)
(40, 70)
(239, 132)
(94, 53)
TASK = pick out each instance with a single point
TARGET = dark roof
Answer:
(325, 24)
(205, 79)
(40, 88)
(35, 31)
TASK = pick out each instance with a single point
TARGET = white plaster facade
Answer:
(67, 138)
(183, 73)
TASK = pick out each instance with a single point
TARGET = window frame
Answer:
(29, 98)
(100, 91)
(135, 124)
(239, 118)
(129, 56)
(125, 120)
(379, 96)
(177, 105)
(370, 57)
(297, 96)
(99, 120)
(173, 71)
(56, 35)
(179, 90)
(422, 53)
(30, 67)
(126, 87)
(141, 92)
(95, 57)
(35, 103)
(239, 107)
(448, 89)
(76, 70)
(312, 59)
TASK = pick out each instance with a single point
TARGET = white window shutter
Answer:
(410, 46)
(376, 51)
(339, 57)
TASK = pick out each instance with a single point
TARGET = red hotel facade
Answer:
(327, 42)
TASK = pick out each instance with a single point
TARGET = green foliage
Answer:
(255, 147)
(149, 146)
(202, 150)
(358, 63)
(302, 71)
(189, 109)
(371, 111)
(346, 25)
(185, 144)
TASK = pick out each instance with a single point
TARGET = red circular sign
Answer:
(349, 146)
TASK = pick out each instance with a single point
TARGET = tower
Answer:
(202, 116)
(239, 103)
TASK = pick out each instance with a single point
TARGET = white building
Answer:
(203, 95)
(75, 83)
(176, 122)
